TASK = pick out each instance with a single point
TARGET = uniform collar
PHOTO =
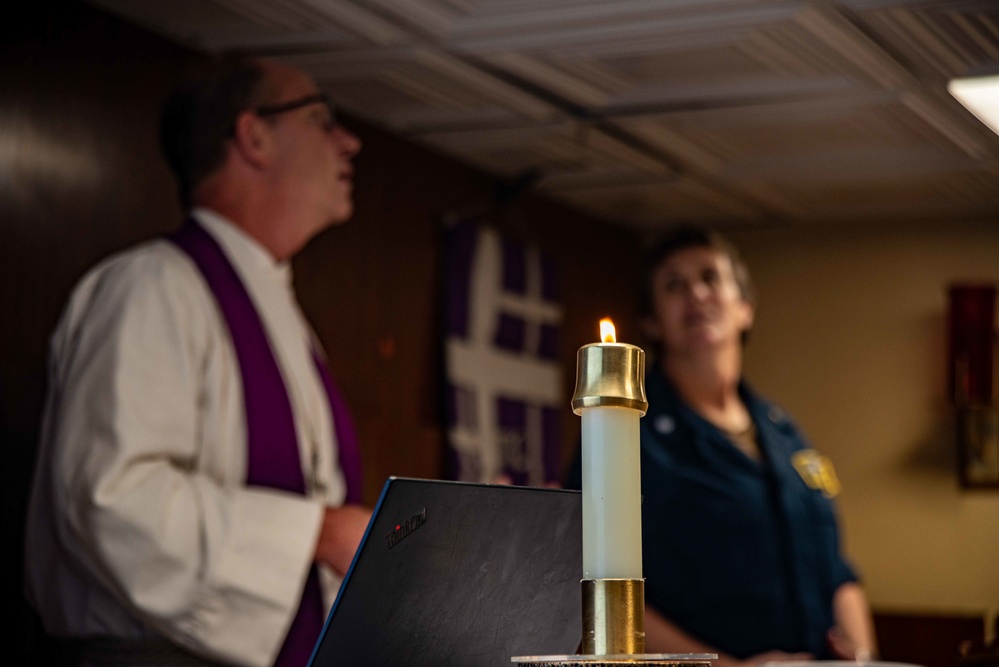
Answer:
(664, 399)
(669, 414)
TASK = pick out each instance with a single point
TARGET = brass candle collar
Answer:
(610, 375)
(613, 616)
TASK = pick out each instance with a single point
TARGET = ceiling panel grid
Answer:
(644, 112)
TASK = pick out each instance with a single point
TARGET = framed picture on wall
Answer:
(978, 446)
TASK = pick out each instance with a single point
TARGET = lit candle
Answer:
(610, 398)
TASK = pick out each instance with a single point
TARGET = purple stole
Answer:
(273, 458)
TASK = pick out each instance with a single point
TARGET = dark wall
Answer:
(81, 177)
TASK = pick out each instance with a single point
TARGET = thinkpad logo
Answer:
(403, 530)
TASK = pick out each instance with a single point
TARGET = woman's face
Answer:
(697, 305)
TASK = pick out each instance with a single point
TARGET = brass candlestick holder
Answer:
(612, 375)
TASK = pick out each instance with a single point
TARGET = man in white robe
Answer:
(143, 536)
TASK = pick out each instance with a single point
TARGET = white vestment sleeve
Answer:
(152, 501)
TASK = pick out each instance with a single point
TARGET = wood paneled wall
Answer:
(928, 639)
(81, 177)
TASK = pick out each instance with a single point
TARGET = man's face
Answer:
(312, 154)
(697, 303)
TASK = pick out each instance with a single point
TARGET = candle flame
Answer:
(607, 331)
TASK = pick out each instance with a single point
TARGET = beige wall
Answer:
(850, 338)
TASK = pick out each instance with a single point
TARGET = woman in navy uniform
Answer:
(741, 552)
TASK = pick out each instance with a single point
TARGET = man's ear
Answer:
(252, 139)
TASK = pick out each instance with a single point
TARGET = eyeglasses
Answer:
(319, 98)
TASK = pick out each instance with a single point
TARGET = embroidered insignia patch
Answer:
(817, 472)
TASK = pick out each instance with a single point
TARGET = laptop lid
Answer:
(455, 573)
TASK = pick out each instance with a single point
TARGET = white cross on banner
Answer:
(504, 384)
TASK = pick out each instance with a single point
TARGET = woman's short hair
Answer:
(685, 237)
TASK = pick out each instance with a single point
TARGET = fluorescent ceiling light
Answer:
(980, 95)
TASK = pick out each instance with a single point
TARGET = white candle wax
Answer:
(612, 493)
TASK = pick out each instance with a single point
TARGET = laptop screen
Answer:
(454, 573)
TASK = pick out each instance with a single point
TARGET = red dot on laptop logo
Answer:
(402, 530)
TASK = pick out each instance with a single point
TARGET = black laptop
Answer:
(454, 573)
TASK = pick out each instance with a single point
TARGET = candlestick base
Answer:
(656, 659)
(613, 617)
